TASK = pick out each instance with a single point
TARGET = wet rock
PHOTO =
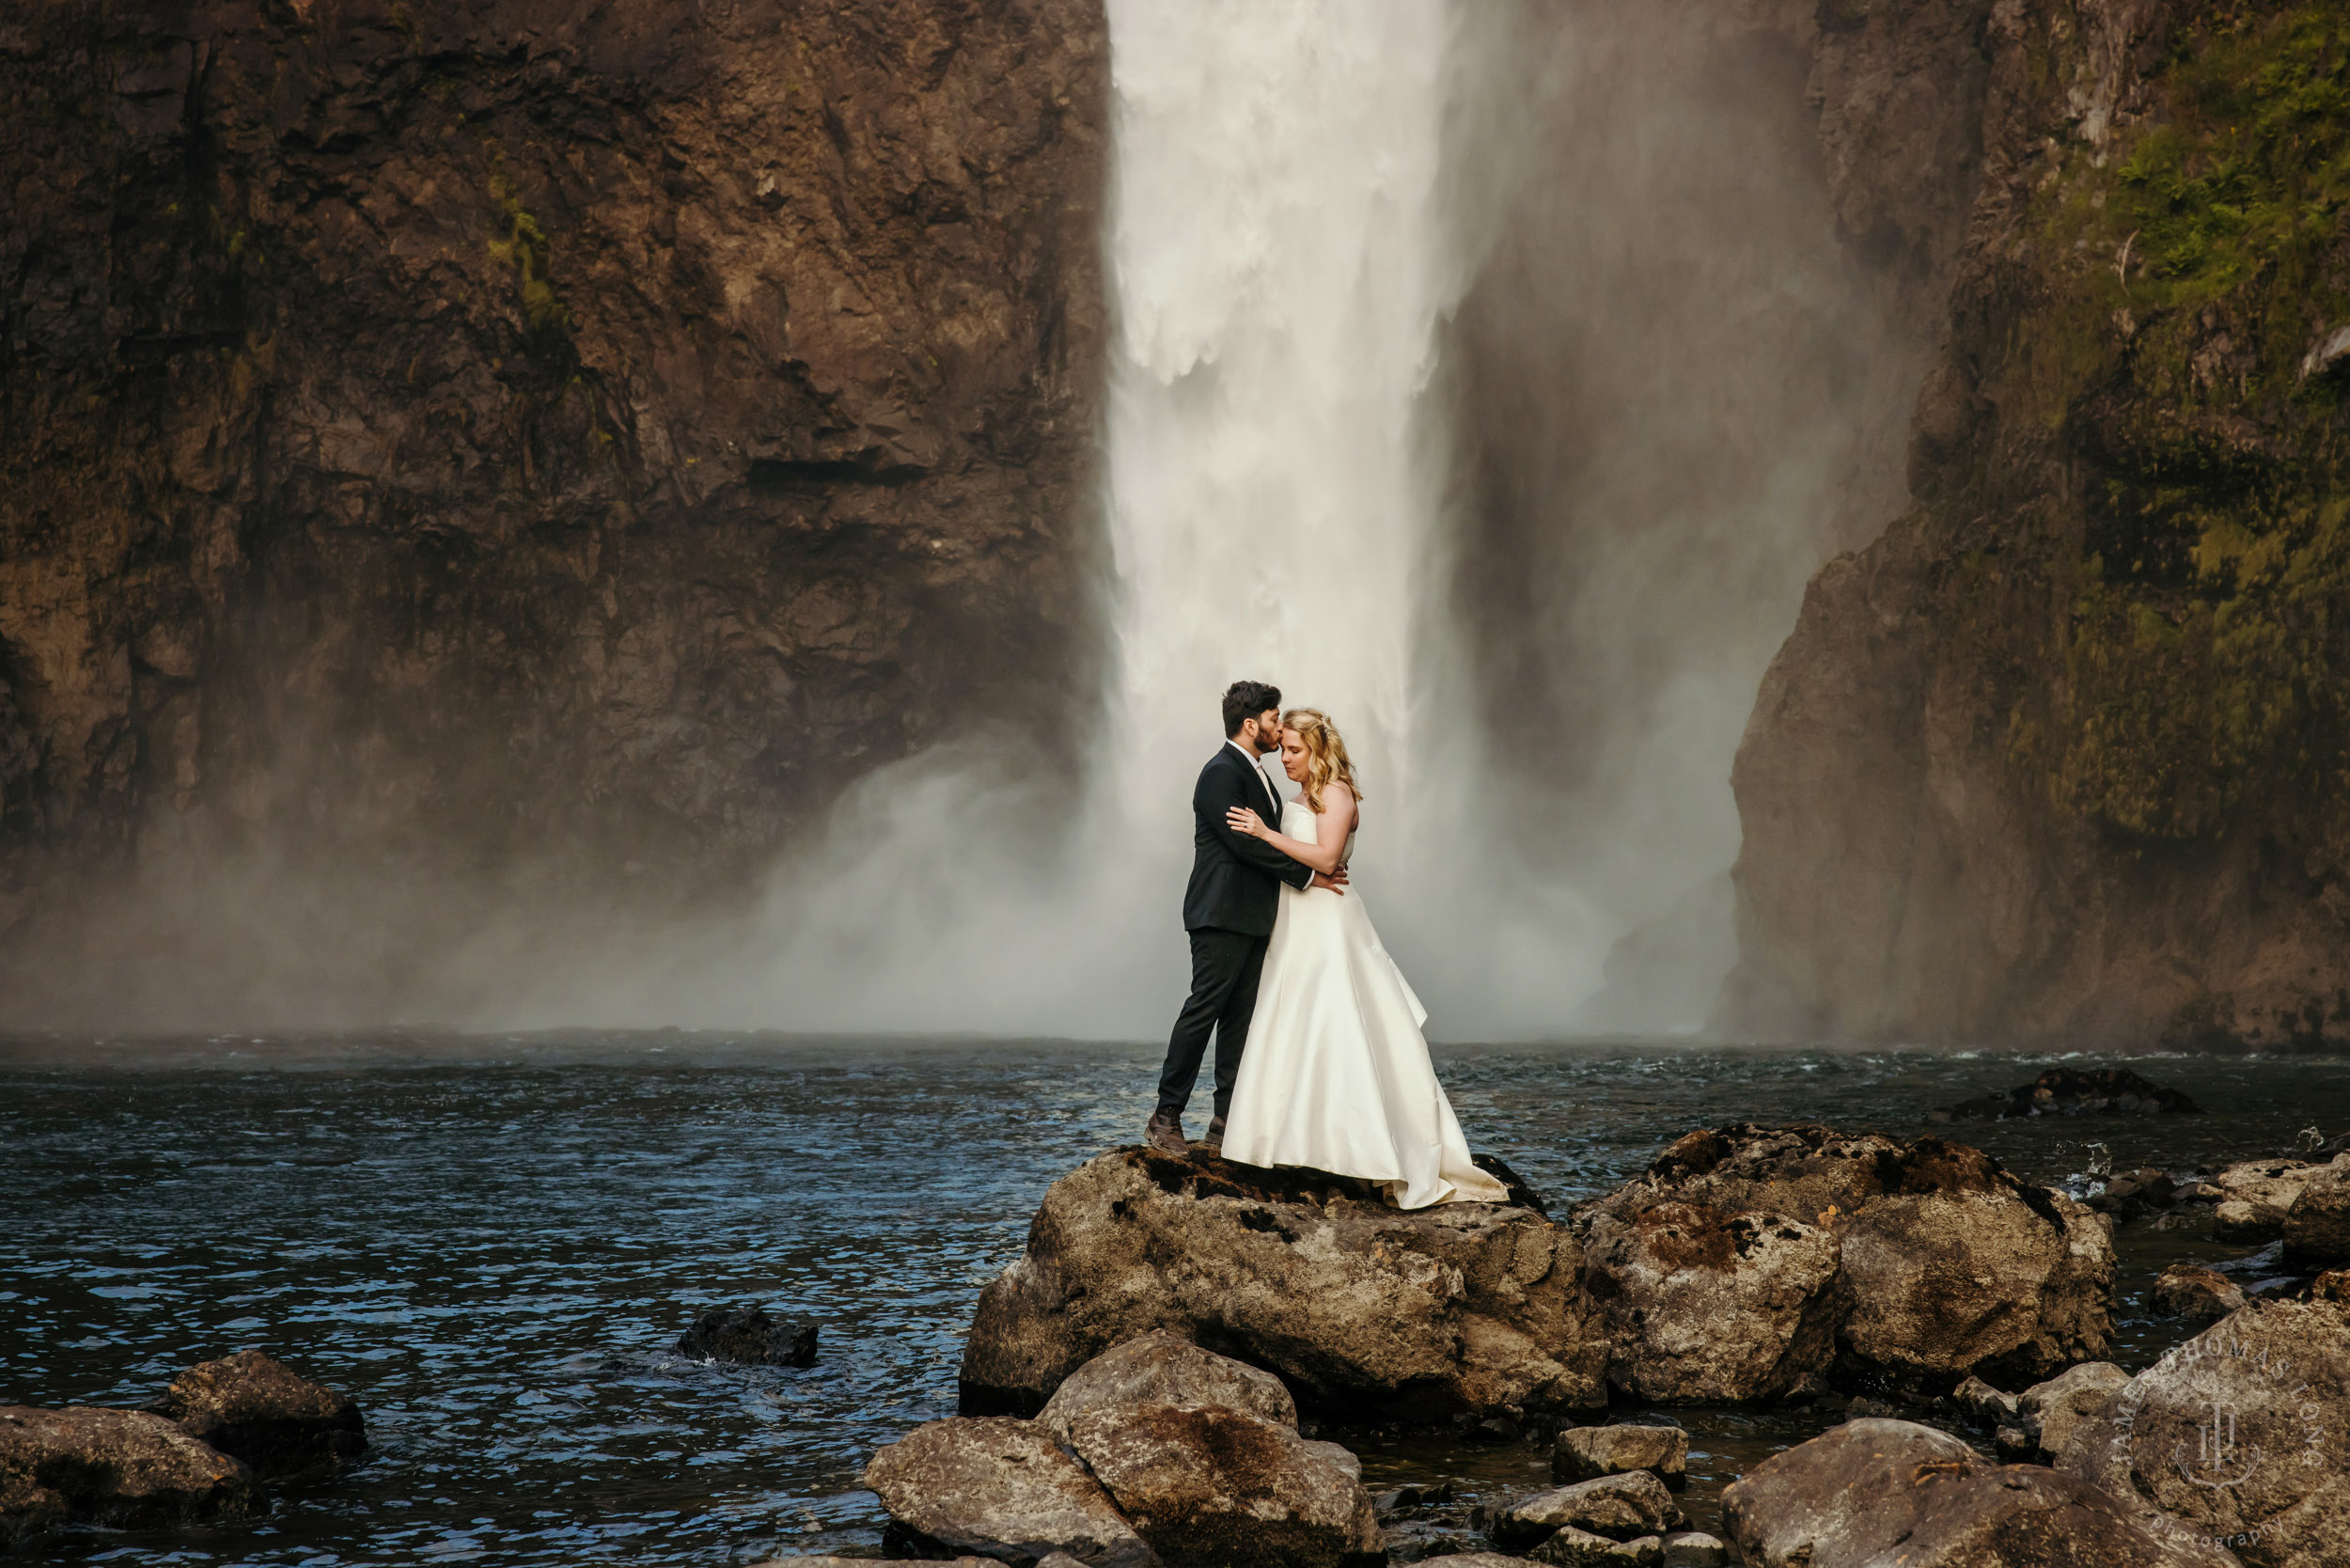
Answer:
(129, 1470)
(748, 1336)
(2241, 1434)
(999, 1488)
(1906, 1266)
(1583, 1452)
(1362, 1310)
(1691, 1548)
(1872, 1492)
(2052, 1411)
(1162, 1368)
(2072, 1091)
(28, 1510)
(1979, 1402)
(1577, 1548)
(1474, 1559)
(2332, 1285)
(2254, 1196)
(255, 1408)
(1209, 1485)
(2316, 1230)
(1865, 1408)
(1055, 1559)
(2017, 1443)
(2200, 1296)
(1620, 1507)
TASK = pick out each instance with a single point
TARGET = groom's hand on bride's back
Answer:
(1334, 881)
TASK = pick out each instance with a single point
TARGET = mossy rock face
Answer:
(2082, 720)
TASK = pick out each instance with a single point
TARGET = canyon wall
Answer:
(2062, 757)
(462, 457)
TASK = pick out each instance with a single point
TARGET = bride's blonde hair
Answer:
(1326, 754)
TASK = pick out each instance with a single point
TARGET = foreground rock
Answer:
(1750, 1262)
(1583, 1452)
(1210, 1485)
(746, 1335)
(2051, 1412)
(2242, 1434)
(1620, 1507)
(2253, 1197)
(255, 1409)
(1162, 1368)
(1873, 1492)
(2200, 1296)
(999, 1488)
(2316, 1229)
(1365, 1312)
(2072, 1091)
(129, 1470)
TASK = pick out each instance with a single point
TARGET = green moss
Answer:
(525, 248)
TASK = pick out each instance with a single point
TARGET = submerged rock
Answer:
(1581, 1548)
(1583, 1452)
(1363, 1310)
(1162, 1368)
(2198, 1295)
(999, 1488)
(2073, 1091)
(1748, 1262)
(749, 1335)
(130, 1469)
(1217, 1487)
(2241, 1434)
(1884, 1492)
(257, 1410)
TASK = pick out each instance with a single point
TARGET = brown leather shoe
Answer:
(1213, 1139)
(1165, 1132)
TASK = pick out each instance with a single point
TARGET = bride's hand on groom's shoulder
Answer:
(1241, 819)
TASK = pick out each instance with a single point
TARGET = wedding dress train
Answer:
(1337, 1076)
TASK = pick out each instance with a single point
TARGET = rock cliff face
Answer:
(2061, 755)
(438, 435)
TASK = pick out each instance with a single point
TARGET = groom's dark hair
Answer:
(1243, 700)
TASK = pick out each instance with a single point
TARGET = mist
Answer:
(1490, 377)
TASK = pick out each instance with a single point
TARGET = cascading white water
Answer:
(1275, 264)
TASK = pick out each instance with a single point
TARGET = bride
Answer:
(1337, 1076)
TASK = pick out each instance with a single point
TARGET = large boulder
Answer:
(2242, 1434)
(2316, 1227)
(1748, 1262)
(1884, 1492)
(1160, 1368)
(257, 1410)
(130, 1469)
(1365, 1311)
(1215, 1487)
(999, 1488)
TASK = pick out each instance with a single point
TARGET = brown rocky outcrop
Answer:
(255, 1409)
(1879, 1491)
(2055, 757)
(130, 1469)
(1750, 1262)
(993, 1487)
(508, 450)
(2200, 1296)
(1209, 1485)
(2240, 1434)
(1363, 1310)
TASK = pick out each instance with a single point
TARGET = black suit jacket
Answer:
(1236, 880)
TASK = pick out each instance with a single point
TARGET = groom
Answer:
(1228, 909)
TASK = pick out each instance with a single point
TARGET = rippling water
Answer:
(491, 1243)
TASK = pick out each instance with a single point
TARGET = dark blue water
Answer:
(491, 1243)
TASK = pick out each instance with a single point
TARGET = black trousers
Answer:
(1225, 965)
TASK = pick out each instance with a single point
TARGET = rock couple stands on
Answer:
(1746, 1263)
(199, 1457)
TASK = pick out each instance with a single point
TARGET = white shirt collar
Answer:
(1254, 766)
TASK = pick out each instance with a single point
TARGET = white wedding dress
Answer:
(1337, 1076)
